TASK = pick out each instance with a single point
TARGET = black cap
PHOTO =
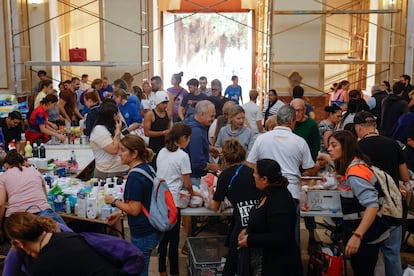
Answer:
(364, 117)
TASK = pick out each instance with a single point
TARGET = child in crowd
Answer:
(173, 165)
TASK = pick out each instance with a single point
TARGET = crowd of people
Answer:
(260, 155)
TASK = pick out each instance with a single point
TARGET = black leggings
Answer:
(171, 237)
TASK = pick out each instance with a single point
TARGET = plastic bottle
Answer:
(95, 189)
(81, 202)
(35, 151)
(67, 205)
(92, 208)
(42, 151)
(12, 145)
(106, 210)
(72, 158)
(110, 190)
(28, 150)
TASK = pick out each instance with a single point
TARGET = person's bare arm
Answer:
(77, 113)
(181, 113)
(404, 175)
(259, 126)
(62, 111)
(113, 147)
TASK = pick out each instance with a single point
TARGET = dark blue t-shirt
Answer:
(139, 188)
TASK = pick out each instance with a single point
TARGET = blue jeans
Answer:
(146, 245)
(391, 251)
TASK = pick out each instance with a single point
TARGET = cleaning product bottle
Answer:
(72, 158)
(42, 151)
(28, 150)
(35, 151)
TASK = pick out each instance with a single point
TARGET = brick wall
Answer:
(317, 102)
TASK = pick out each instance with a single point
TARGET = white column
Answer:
(54, 41)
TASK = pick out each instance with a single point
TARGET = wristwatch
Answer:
(113, 204)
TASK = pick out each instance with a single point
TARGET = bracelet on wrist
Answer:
(359, 236)
(113, 204)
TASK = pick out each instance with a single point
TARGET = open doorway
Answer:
(215, 45)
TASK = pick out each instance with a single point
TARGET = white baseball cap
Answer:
(160, 97)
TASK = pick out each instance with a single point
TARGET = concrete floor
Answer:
(406, 258)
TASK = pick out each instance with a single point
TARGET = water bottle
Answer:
(42, 151)
(72, 158)
(106, 210)
(35, 151)
(67, 205)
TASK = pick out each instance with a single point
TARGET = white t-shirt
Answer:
(288, 149)
(253, 114)
(105, 162)
(171, 166)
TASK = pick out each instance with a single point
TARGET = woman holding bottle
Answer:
(138, 190)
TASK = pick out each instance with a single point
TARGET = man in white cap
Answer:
(157, 124)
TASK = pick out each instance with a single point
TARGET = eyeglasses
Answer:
(299, 110)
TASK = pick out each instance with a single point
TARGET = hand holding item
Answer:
(109, 199)
(113, 218)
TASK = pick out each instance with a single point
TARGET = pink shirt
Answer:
(24, 189)
(339, 95)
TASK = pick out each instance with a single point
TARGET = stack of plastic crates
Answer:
(206, 255)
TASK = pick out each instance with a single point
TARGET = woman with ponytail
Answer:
(53, 252)
(236, 183)
(137, 194)
(173, 165)
(272, 223)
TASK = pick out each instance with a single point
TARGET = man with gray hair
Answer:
(288, 149)
(216, 98)
(375, 102)
(198, 149)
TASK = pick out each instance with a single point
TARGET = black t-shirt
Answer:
(385, 153)
(218, 103)
(189, 102)
(69, 254)
(243, 193)
(10, 133)
(409, 157)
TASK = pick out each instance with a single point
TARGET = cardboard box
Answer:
(319, 200)
(77, 54)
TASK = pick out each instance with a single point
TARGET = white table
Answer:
(202, 211)
(62, 152)
(322, 213)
